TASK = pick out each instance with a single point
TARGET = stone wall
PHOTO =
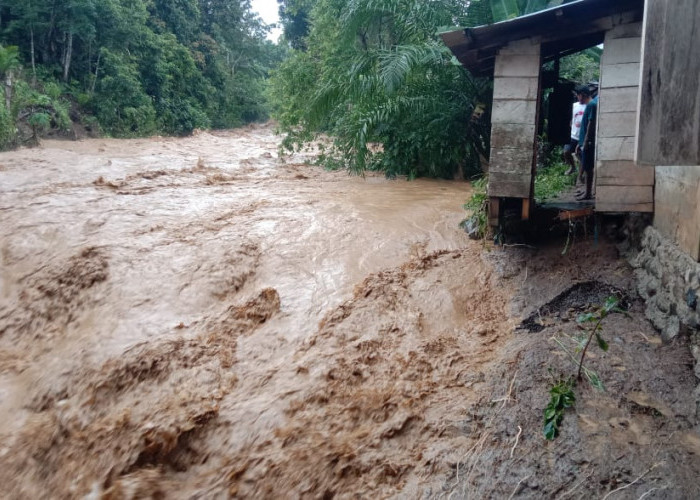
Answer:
(668, 280)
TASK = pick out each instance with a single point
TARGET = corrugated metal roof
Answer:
(563, 30)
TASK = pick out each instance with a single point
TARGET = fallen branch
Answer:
(633, 482)
(507, 397)
(517, 438)
(648, 492)
(517, 486)
(576, 486)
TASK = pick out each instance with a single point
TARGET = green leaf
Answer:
(568, 400)
(611, 303)
(601, 342)
(586, 317)
(550, 430)
(595, 381)
(549, 413)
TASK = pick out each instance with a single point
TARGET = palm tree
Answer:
(387, 90)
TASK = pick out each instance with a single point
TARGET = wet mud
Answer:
(199, 318)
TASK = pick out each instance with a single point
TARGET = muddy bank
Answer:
(196, 318)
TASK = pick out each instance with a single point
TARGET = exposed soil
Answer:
(197, 318)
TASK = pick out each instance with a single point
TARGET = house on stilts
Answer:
(648, 127)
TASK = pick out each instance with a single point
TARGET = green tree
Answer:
(375, 73)
(142, 65)
(294, 17)
(9, 62)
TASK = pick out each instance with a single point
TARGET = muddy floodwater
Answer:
(180, 315)
(199, 318)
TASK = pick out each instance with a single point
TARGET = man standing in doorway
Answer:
(576, 117)
(586, 143)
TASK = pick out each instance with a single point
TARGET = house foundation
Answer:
(669, 282)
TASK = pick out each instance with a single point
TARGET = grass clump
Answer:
(551, 180)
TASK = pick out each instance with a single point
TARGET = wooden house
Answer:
(648, 135)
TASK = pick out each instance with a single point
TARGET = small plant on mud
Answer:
(562, 397)
(611, 305)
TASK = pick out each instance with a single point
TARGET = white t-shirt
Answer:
(576, 120)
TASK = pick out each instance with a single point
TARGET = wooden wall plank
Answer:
(620, 173)
(677, 214)
(624, 50)
(509, 185)
(620, 75)
(511, 160)
(621, 186)
(526, 46)
(615, 148)
(517, 65)
(603, 206)
(623, 195)
(514, 120)
(624, 28)
(513, 135)
(619, 99)
(669, 120)
(621, 124)
(515, 88)
(513, 111)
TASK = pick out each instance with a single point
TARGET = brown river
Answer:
(198, 318)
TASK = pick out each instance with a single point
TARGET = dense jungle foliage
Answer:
(131, 67)
(372, 75)
(375, 76)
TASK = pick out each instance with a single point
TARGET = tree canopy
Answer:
(141, 66)
(374, 75)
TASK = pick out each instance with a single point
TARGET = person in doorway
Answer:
(586, 143)
(576, 116)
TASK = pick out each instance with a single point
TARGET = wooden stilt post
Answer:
(494, 211)
(526, 209)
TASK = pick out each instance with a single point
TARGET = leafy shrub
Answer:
(477, 206)
(40, 121)
(551, 179)
(7, 128)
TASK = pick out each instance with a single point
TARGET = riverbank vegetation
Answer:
(372, 75)
(376, 73)
(131, 67)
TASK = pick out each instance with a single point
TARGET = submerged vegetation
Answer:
(476, 223)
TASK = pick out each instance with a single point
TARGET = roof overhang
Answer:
(562, 30)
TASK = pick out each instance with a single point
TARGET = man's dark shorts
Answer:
(571, 147)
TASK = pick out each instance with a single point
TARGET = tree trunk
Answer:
(97, 71)
(8, 90)
(68, 56)
(31, 41)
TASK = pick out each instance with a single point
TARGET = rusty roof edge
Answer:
(499, 34)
